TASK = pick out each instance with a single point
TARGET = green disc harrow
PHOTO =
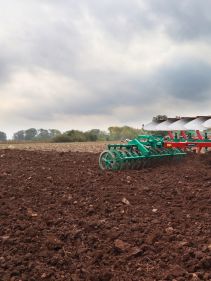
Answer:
(141, 152)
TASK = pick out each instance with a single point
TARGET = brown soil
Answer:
(61, 147)
(63, 219)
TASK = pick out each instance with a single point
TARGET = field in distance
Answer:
(94, 147)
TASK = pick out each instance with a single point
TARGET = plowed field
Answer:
(62, 147)
(63, 219)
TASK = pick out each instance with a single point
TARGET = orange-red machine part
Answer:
(186, 144)
(199, 141)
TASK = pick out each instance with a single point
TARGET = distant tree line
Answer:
(113, 133)
(53, 135)
(33, 134)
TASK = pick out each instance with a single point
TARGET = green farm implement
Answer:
(143, 151)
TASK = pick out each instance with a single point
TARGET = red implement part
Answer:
(171, 135)
(183, 134)
(186, 144)
(199, 135)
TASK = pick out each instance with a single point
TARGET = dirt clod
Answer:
(125, 201)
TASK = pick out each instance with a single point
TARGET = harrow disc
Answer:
(108, 161)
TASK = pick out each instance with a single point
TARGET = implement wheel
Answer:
(108, 161)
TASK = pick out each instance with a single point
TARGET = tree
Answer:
(92, 135)
(118, 133)
(30, 134)
(19, 136)
(129, 132)
(3, 136)
(76, 136)
(43, 134)
(114, 133)
(54, 133)
(160, 118)
(103, 136)
(61, 138)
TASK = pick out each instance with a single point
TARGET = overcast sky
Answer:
(91, 64)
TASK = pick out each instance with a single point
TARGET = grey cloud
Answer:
(8, 62)
(44, 35)
(121, 19)
(3, 69)
(180, 80)
(60, 37)
(186, 79)
(104, 92)
(59, 41)
(61, 44)
(108, 92)
(183, 20)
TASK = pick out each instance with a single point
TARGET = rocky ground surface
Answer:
(63, 219)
